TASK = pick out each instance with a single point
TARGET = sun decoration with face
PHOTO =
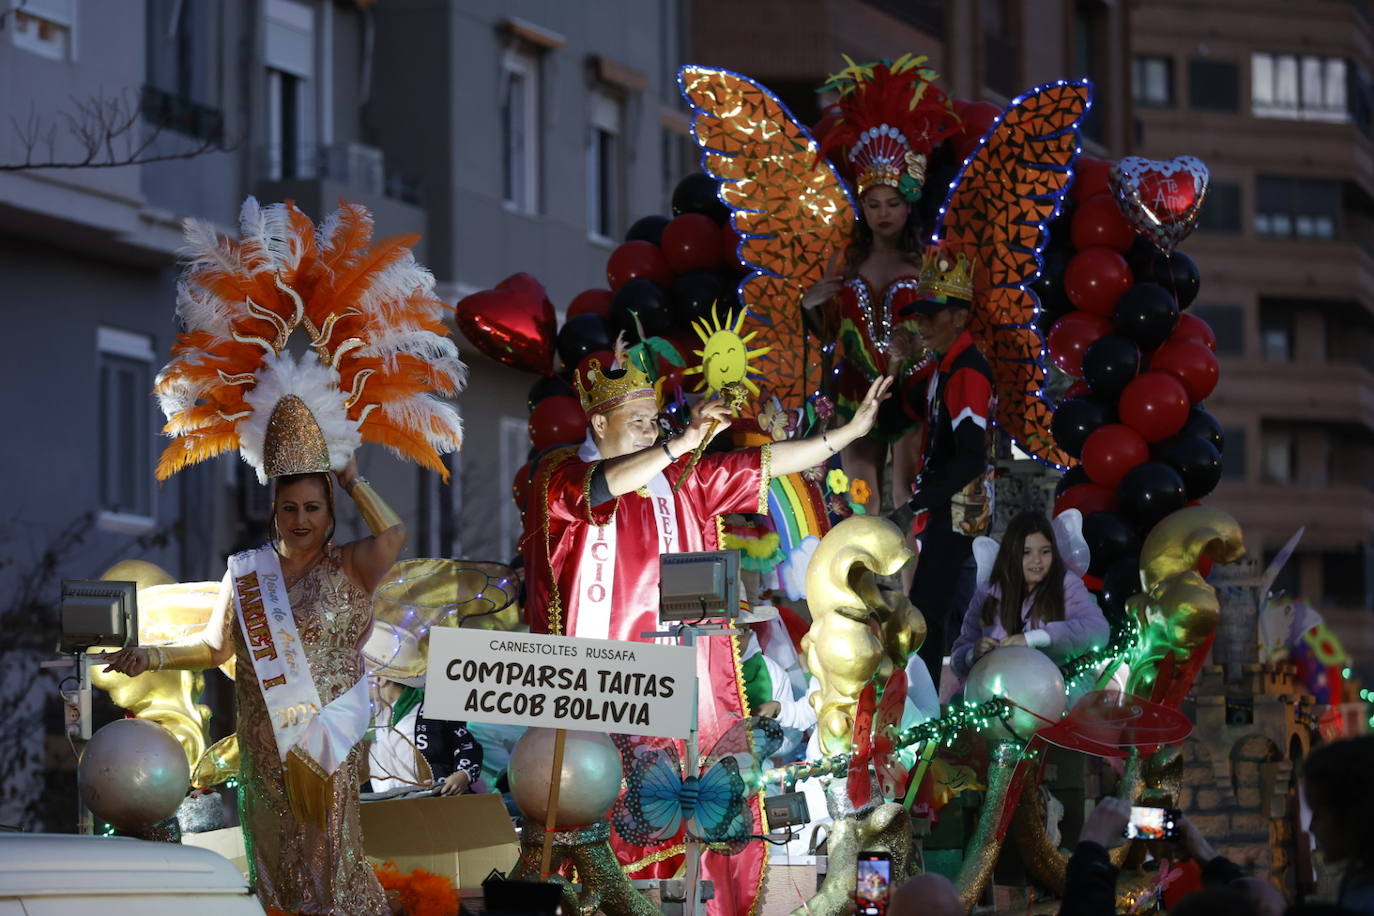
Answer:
(725, 355)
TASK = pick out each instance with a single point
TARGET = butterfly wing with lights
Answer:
(891, 774)
(789, 207)
(995, 214)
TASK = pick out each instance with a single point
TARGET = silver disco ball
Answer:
(589, 784)
(133, 773)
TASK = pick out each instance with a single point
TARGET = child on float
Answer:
(1029, 595)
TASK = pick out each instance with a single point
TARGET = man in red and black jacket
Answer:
(951, 500)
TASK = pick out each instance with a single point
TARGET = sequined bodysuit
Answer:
(294, 865)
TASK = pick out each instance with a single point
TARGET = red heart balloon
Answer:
(1161, 199)
(513, 323)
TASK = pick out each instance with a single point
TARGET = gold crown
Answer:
(945, 276)
(294, 443)
(602, 391)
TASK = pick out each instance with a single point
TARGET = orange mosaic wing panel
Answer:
(790, 208)
(996, 214)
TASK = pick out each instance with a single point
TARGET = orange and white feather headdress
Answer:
(380, 361)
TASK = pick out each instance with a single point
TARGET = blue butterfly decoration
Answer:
(714, 804)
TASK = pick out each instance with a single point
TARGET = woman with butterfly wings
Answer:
(793, 211)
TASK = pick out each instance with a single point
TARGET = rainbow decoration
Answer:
(797, 508)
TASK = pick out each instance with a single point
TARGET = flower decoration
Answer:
(839, 506)
(823, 406)
(859, 491)
(837, 481)
(776, 421)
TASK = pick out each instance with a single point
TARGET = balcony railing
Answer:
(170, 111)
(356, 165)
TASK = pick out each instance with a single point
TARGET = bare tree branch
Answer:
(106, 134)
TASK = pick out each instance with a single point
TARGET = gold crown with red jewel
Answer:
(945, 276)
(603, 390)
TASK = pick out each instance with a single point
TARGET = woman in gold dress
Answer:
(302, 859)
(378, 366)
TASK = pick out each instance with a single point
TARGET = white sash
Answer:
(288, 690)
(596, 571)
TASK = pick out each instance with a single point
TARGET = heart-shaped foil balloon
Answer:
(512, 323)
(1161, 199)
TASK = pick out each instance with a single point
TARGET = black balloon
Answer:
(697, 194)
(1075, 419)
(1109, 364)
(1071, 478)
(644, 299)
(1195, 458)
(1149, 492)
(940, 171)
(647, 229)
(693, 294)
(1146, 313)
(581, 335)
(1201, 423)
(1176, 272)
(1110, 537)
(546, 386)
(1049, 288)
(1119, 585)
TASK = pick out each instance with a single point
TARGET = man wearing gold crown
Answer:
(604, 511)
(951, 500)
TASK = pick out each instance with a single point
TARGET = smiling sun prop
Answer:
(725, 354)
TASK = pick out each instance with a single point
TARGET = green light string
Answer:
(944, 730)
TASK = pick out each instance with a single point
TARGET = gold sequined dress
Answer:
(296, 866)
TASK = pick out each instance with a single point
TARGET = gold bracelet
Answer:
(378, 515)
(195, 657)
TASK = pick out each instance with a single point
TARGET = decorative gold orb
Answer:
(590, 776)
(133, 773)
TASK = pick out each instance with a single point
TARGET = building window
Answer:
(290, 105)
(1297, 207)
(1279, 456)
(1233, 464)
(181, 92)
(44, 27)
(1346, 578)
(1090, 58)
(605, 166)
(1227, 323)
(1001, 46)
(1221, 210)
(513, 447)
(520, 130)
(1276, 333)
(125, 363)
(1306, 88)
(1152, 81)
(1214, 85)
(926, 15)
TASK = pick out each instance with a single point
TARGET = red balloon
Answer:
(557, 420)
(729, 247)
(691, 242)
(1192, 363)
(1109, 452)
(520, 488)
(513, 323)
(1204, 567)
(1095, 278)
(1191, 327)
(1078, 389)
(1072, 335)
(977, 118)
(1098, 221)
(1087, 498)
(1154, 404)
(591, 302)
(639, 259)
(1090, 177)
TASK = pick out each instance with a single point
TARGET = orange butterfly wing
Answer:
(790, 208)
(996, 214)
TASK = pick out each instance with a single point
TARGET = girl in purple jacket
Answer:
(1029, 597)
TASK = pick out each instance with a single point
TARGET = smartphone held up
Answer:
(873, 881)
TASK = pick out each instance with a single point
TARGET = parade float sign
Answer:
(595, 685)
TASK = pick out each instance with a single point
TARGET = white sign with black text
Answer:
(598, 685)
